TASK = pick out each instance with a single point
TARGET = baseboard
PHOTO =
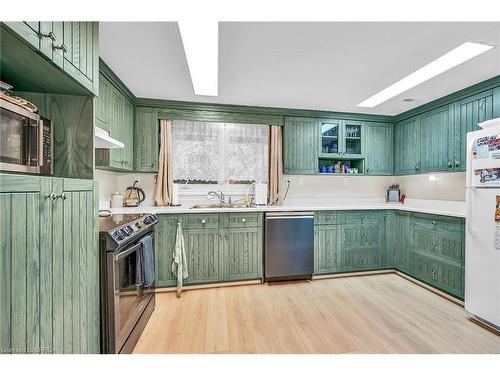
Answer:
(206, 286)
(357, 273)
(430, 288)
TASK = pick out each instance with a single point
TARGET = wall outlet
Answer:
(346, 181)
(301, 180)
(137, 178)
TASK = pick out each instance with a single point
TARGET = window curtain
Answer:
(165, 180)
(275, 164)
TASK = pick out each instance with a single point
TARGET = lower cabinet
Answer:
(328, 245)
(49, 271)
(219, 247)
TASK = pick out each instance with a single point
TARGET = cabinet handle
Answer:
(367, 170)
(49, 35)
(450, 164)
(62, 47)
(433, 272)
(434, 222)
(63, 196)
(225, 236)
(416, 167)
(457, 163)
(243, 220)
(52, 196)
(203, 221)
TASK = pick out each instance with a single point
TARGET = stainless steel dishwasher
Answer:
(289, 246)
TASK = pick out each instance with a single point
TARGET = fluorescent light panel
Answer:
(201, 45)
(462, 53)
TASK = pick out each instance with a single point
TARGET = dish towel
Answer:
(148, 260)
(179, 264)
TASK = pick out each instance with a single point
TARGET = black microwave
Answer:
(26, 141)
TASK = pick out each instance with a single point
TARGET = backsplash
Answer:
(441, 186)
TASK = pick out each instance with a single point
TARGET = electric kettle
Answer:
(133, 196)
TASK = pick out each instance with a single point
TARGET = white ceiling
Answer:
(327, 66)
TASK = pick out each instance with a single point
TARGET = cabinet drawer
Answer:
(242, 220)
(193, 221)
(362, 217)
(439, 223)
(361, 260)
(329, 217)
(445, 245)
(361, 236)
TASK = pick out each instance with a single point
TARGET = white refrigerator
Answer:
(482, 247)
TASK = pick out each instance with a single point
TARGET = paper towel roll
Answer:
(175, 194)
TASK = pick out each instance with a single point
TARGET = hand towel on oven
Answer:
(148, 260)
(179, 264)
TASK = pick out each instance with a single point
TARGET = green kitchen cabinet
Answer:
(437, 138)
(387, 252)
(80, 47)
(71, 46)
(407, 146)
(165, 237)
(115, 113)
(401, 237)
(204, 255)
(146, 140)
(363, 240)
(242, 253)
(300, 152)
(328, 249)
(469, 112)
(378, 149)
(341, 139)
(49, 265)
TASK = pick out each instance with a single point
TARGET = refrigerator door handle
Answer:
(469, 220)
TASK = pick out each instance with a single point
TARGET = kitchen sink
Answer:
(218, 205)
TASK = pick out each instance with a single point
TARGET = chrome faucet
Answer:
(217, 194)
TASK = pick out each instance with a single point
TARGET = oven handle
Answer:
(127, 252)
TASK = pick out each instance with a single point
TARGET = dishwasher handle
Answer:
(289, 214)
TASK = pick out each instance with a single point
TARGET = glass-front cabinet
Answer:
(340, 138)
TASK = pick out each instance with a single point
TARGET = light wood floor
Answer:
(364, 314)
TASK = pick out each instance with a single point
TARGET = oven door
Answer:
(130, 296)
(19, 141)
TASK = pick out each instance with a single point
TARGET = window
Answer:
(219, 153)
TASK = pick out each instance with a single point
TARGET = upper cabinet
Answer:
(407, 146)
(340, 138)
(115, 113)
(438, 135)
(146, 138)
(71, 46)
(300, 152)
(469, 112)
(378, 148)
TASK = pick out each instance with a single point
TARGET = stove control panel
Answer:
(136, 226)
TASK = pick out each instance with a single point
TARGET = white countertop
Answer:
(438, 207)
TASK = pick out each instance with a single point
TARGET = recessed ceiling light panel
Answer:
(201, 45)
(462, 53)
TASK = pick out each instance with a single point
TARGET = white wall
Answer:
(442, 186)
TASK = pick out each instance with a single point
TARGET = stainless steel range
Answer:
(126, 244)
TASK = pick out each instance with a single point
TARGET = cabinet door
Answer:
(328, 245)
(103, 103)
(146, 140)
(80, 51)
(407, 143)
(470, 112)
(378, 148)
(165, 238)
(20, 204)
(401, 237)
(75, 273)
(116, 127)
(331, 137)
(27, 30)
(437, 130)
(203, 254)
(352, 138)
(242, 258)
(128, 135)
(300, 145)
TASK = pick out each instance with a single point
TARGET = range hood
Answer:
(103, 140)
